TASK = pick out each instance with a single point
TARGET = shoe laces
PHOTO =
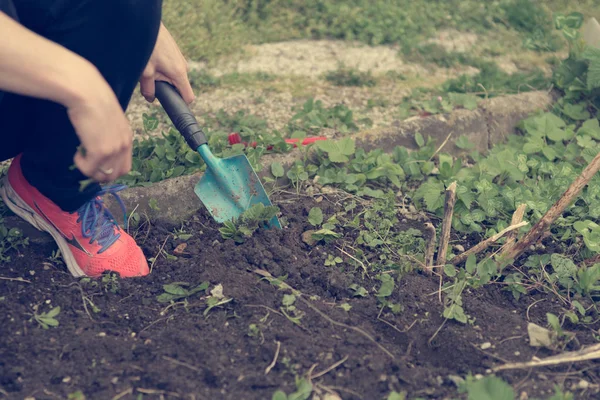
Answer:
(97, 222)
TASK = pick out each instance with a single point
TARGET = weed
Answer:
(11, 239)
(345, 76)
(290, 310)
(255, 217)
(47, 319)
(178, 290)
(313, 116)
(303, 391)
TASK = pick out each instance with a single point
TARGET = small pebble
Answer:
(459, 248)
(583, 384)
(31, 273)
(486, 346)
(114, 380)
(517, 353)
(66, 379)
(102, 334)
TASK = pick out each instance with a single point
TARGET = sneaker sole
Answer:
(18, 206)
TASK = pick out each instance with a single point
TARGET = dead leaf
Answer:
(179, 250)
(307, 237)
(541, 337)
(217, 291)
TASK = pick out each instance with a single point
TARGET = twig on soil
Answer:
(395, 327)
(265, 307)
(272, 365)
(181, 363)
(298, 294)
(159, 392)
(3, 278)
(478, 248)
(531, 305)
(329, 369)
(158, 254)
(429, 247)
(123, 394)
(555, 211)
(341, 389)
(354, 258)
(446, 223)
(590, 353)
(511, 237)
(83, 299)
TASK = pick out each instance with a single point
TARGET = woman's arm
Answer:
(33, 66)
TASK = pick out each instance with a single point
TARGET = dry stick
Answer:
(181, 363)
(298, 294)
(447, 223)
(511, 237)
(272, 365)
(329, 369)
(590, 353)
(14, 279)
(430, 247)
(478, 248)
(556, 210)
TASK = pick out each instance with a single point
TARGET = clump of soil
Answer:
(116, 339)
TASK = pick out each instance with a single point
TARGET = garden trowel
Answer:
(230, 185)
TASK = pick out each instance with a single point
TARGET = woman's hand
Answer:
(167, 63)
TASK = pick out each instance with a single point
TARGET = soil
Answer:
(134, 345)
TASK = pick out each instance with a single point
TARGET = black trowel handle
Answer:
(180, 114)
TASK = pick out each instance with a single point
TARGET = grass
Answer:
(208, 29)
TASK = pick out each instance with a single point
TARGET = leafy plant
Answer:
(47, 319)
(255, 217)
(303, 391)
(179, 290)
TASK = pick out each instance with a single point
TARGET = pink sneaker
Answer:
(89, 239)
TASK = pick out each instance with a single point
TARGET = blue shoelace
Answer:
(97, 222)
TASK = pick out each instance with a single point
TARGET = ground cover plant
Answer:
(357, 298)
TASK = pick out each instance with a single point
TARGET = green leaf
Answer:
(419, 139)
(553, 321)
(54, 312)
(577, 112)
(315, 216)
(338, 151)
(288, 299)
(593, 74)
(279, 395)
(490, 388)
(590, 127)
(463, 142)
(431, 193)
(277, 170)
(387, 285)
(397, 396)
(174, 288)
(449, 270)
(471, 265)
(345, 306)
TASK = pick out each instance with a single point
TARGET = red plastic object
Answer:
(235, 138)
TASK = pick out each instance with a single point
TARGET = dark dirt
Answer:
(135, 345)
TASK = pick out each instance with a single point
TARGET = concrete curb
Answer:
(485, 126)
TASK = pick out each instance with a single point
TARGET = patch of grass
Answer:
(345, 76)
(492, 81)
(209, 28)
(435, 54)
(535, 22)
